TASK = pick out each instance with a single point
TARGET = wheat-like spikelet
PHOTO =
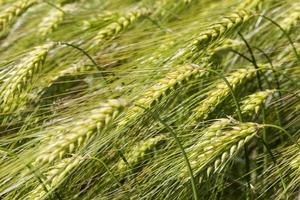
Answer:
(254, 101)
(292, 18)
(105, 16)
(21, 75)
(221, 92)
(51, 22)
(112, 29)
(250, 105)
(75, 68)
(288, 165)
(121, 24)
(139, 153)
(227, 44)
(180, 72)
(217, 31)
(8, 15)
(54, 176)
(81, 131)
(293, 156)
(217, 145)
(214, 55)
(232, 21)
(54, 18)
(171, 81)
(295, 163)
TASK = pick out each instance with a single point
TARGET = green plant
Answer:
(149, 99)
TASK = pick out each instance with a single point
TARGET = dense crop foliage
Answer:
(149, 99)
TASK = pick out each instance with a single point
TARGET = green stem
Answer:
(253, 61)
(83, 51)
(241, 55)
(264, 136)
(284, 32)
(87, 55)
(285, 132)
(187, 162)
(259, 82)
(275, 163)
(232, 93)
(272, 68)
(55, 6)
(107, 169)
(247, 170)
(278, 88)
